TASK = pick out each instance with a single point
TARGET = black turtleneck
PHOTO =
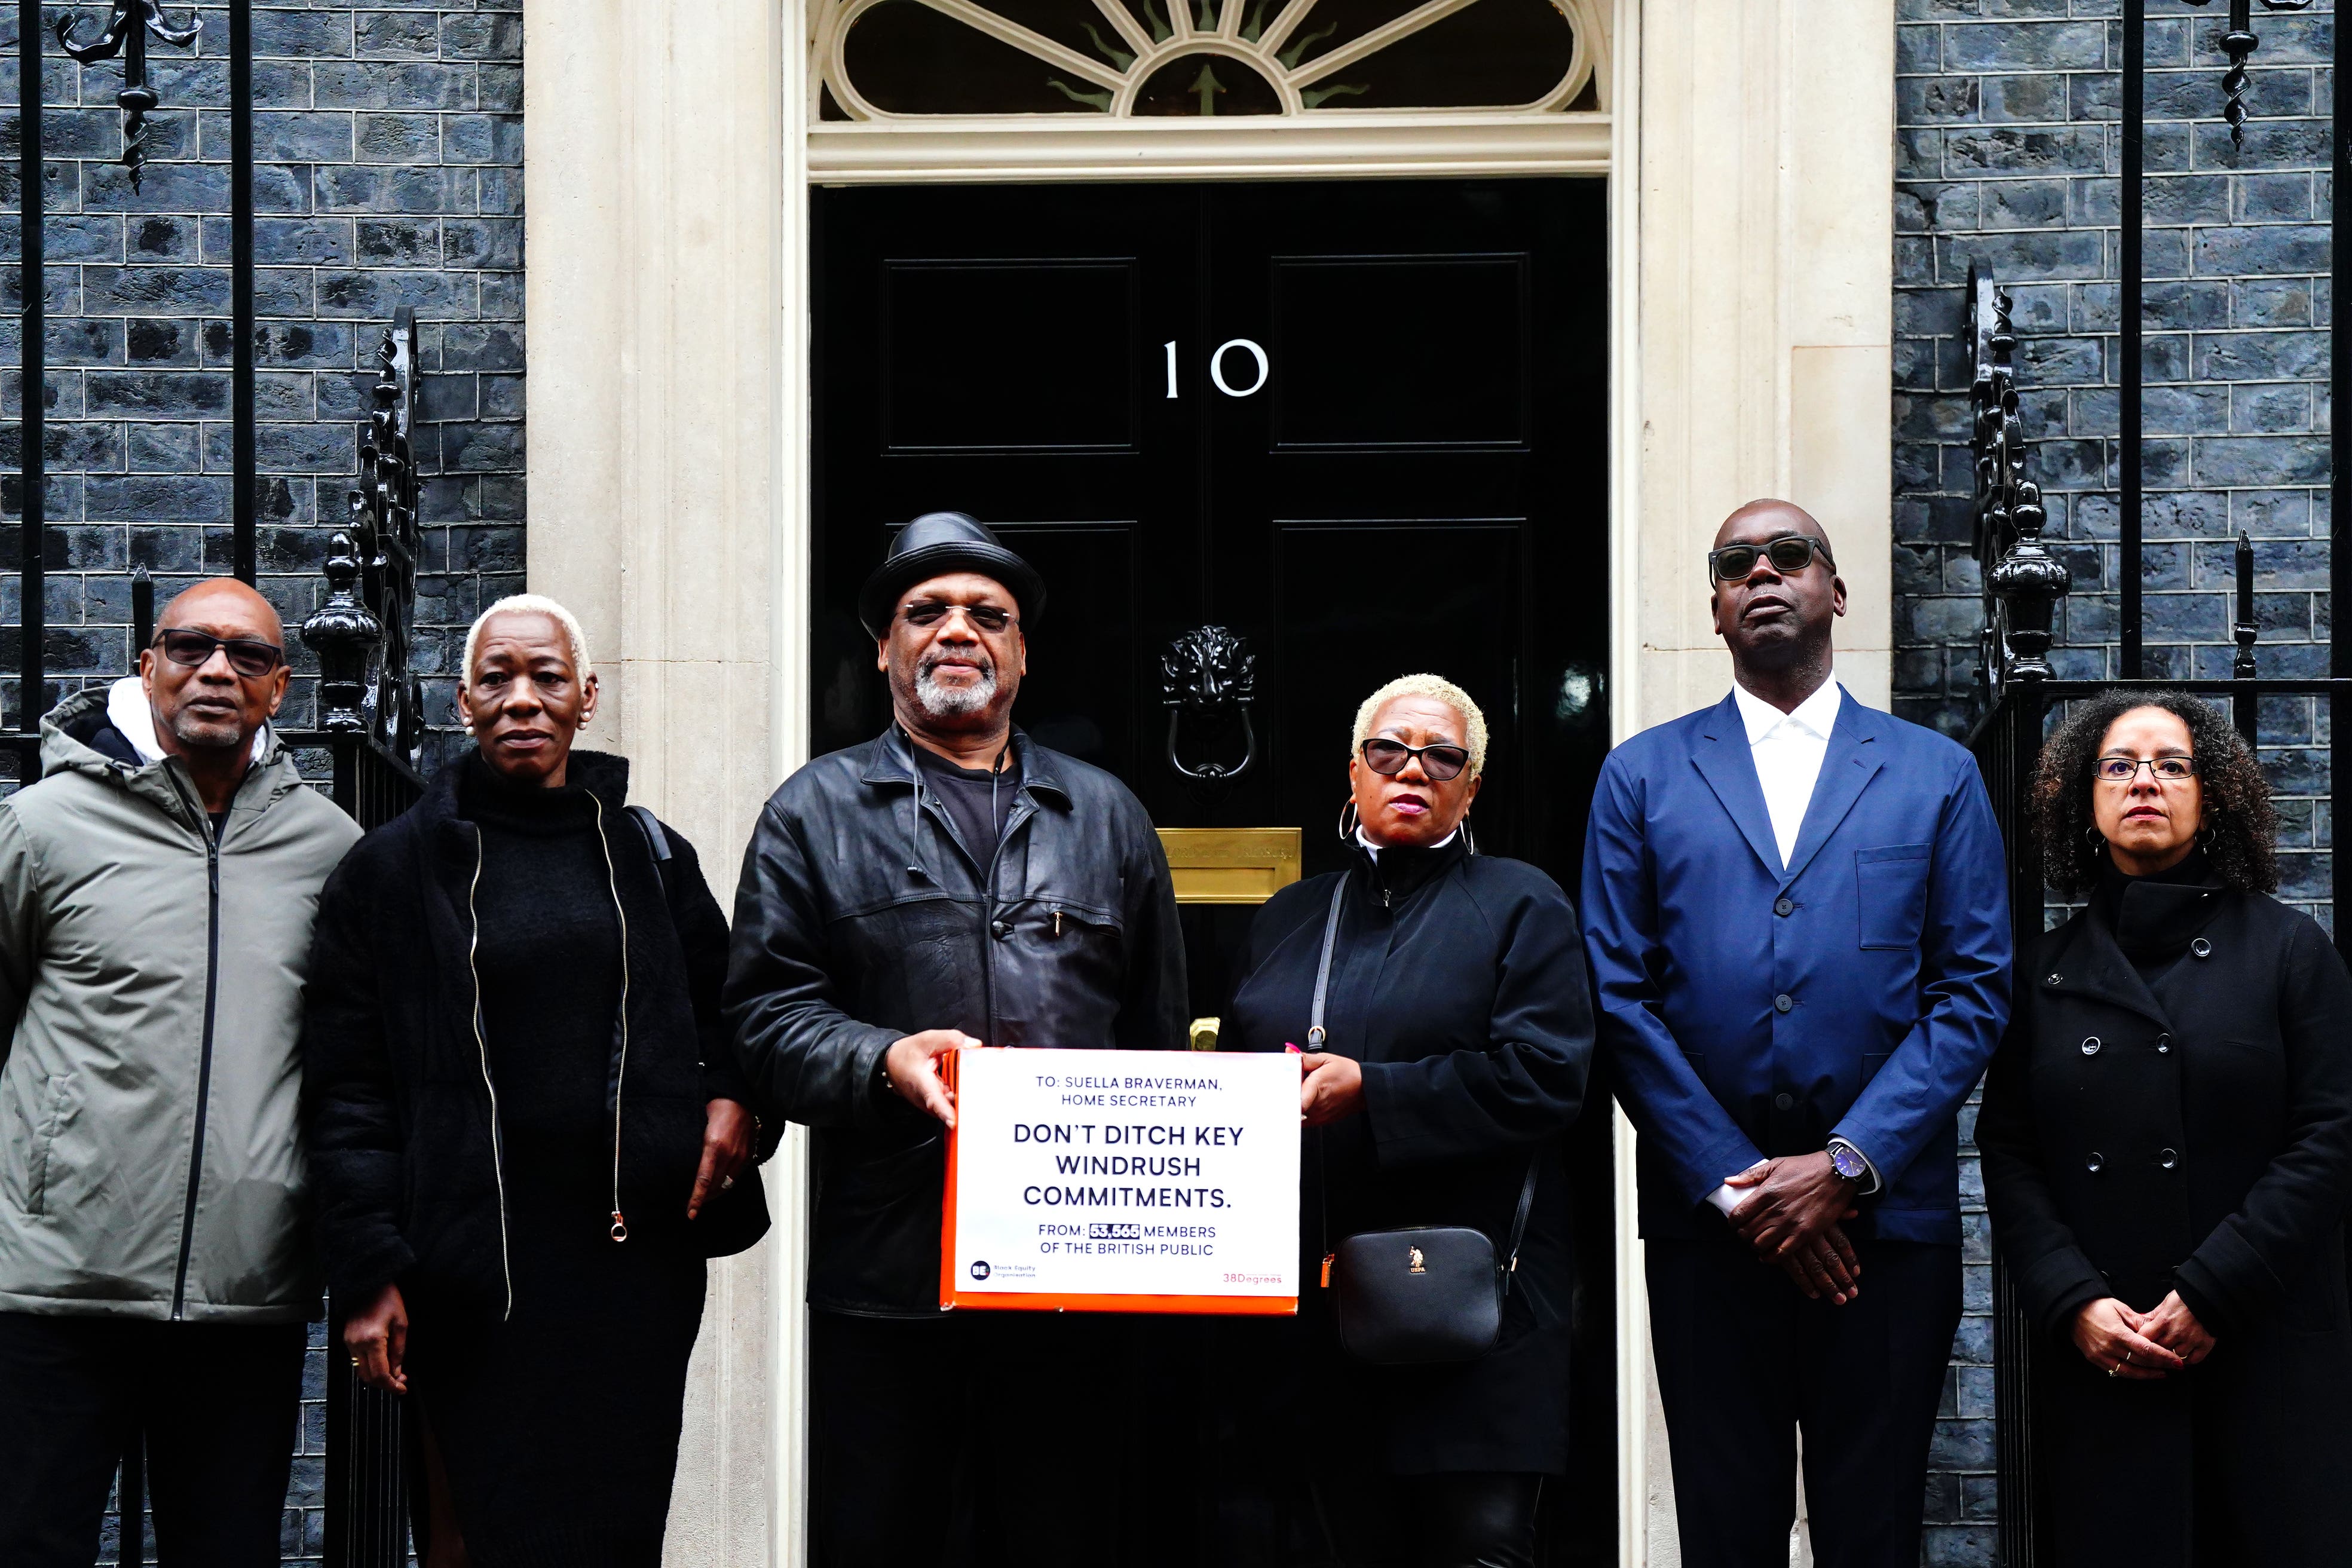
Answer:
(1400, 869)
(2153, 917)
(549, 961)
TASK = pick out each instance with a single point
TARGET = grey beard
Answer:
(941, 702)
(205, 734)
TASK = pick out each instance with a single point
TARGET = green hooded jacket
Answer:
(151, 1154)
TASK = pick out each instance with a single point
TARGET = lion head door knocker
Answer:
(1210, 673)
(1413, 1261)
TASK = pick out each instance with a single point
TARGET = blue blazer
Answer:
(1750, 1011)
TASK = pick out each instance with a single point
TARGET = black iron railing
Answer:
(2017, 692)
(368, 731)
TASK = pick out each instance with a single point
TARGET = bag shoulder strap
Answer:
(1519, 1220)
(1316, 1033)
(1316, 1036)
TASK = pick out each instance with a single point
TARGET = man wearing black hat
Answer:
(949, 883)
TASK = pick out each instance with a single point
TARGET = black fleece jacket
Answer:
(407, 1139)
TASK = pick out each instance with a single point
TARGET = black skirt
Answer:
(558, 1427)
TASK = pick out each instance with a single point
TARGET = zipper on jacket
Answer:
(482, 1044)
(205, 1057)
(620, 1072)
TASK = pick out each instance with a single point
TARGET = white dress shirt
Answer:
(1787, 749)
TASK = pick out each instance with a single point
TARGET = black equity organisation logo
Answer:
(979, 1269)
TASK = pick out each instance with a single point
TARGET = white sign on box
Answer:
(1122, 1182)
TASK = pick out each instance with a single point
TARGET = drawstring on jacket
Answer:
(914, 866)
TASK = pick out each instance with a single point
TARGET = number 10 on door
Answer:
(1217, 367)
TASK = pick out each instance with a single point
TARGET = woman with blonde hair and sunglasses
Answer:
(1438, 998)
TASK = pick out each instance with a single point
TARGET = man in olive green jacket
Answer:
(157, 888)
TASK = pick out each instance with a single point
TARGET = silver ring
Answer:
(725, 1183)
(2116, 1371)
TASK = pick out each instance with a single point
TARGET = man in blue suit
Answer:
(1797, 921)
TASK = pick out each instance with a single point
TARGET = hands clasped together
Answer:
(2141, 1346)
(1791, 1219)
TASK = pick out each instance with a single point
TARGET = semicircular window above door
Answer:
(887, 59)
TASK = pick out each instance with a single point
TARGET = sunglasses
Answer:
(2164, 770)
(987, 618)
(1790, 554)
(1441, 762)
(249, 656)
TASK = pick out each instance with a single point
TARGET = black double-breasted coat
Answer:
(2184, 1123)
(1458, 981)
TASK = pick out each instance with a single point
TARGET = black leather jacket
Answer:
(862, 919)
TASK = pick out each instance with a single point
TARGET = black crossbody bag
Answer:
(1419, 1294)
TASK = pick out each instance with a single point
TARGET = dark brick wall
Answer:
(388, 172)
(2007, 155)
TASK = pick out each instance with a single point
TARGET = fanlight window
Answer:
(885, 59)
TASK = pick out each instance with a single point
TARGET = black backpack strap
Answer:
(651, 826)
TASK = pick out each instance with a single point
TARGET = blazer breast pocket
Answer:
(1891, 882)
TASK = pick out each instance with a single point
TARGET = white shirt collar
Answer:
(1374, 850)
(1816, 715)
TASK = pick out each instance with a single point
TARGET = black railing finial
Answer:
(2022, 582)
(2242, 667)
(142, 614)
(343, 633)
(388, 537)
(125, 34)
(2239, 43)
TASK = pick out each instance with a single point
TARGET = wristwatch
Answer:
(1847, 1161)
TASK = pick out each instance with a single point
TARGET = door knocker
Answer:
(1210, 672)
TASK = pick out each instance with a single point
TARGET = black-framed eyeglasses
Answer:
(1790, 554)
(1441, 762)
(249, 656)
(2163, 770)
(932, 612)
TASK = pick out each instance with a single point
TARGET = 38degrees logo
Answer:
(979, 1269)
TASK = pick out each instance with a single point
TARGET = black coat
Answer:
(1458, 981)
(862, 918)
(2194, 1135)
(397, 1089)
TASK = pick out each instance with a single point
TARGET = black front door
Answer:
(1360, 424)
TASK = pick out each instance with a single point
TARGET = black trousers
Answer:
(218, 1403)
(1467, 1519)
(1021, 1438)
(1744, 1361)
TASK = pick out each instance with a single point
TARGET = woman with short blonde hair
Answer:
(1438, 997)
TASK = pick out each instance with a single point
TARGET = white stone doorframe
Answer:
(1752, 246)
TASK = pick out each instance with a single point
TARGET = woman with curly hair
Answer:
(2167, 1134)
